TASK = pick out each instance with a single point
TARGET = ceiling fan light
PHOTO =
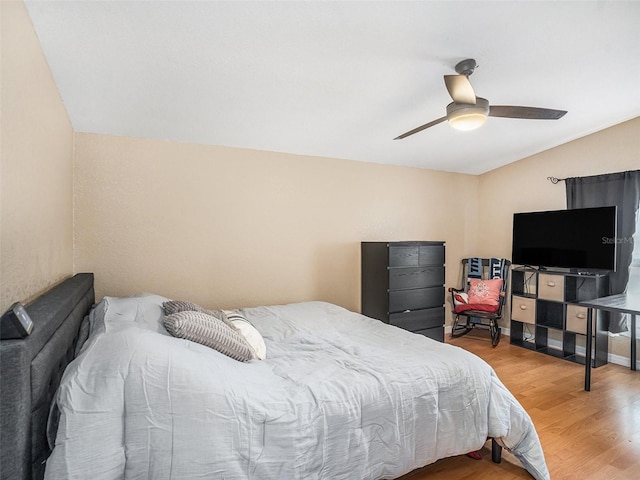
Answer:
(462, 116)
(469, 121)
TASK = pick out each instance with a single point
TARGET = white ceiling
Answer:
(342, 79)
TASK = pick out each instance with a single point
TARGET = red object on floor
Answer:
(474, 455)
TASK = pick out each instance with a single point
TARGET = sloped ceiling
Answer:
(342, 79)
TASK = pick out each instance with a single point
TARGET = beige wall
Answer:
(523, 186)
(36, 206)
(230, 227)
(233, 227)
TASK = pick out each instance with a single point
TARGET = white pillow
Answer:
(249, 332)
(460, 298)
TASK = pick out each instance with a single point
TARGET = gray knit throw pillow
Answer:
(210, 331)
(175, 306)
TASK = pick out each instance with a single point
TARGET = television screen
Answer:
(581, 239)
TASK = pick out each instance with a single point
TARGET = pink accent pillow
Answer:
(485, 292)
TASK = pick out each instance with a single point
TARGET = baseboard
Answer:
(624, 361)
(505, 331)
(611, 358)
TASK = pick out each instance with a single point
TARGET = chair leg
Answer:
(459, 330)
(495, 333)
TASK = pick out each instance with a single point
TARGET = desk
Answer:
(621, 303)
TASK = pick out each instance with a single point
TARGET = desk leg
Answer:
(633, 341)
(587, 358)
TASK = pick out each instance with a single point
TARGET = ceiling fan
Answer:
(468, 112)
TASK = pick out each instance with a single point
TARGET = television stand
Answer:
(546, 315)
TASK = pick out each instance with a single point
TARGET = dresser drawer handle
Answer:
(551, 283)
(406, 311)
(581, 316)
(523, 307)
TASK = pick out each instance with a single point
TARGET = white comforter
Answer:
(340, 396)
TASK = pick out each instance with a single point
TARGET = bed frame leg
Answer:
(496, 451)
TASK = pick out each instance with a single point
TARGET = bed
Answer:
(339, 396)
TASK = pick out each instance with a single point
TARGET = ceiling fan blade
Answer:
(460, 89)
(420, 128)
(530, 113)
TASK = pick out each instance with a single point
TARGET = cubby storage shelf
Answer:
(546, 317)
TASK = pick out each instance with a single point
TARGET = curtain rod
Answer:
(555, 180)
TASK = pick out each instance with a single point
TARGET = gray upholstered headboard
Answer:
(30, 372)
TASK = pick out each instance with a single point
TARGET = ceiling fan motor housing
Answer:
(456, 109)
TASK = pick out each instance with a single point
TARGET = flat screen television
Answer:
(581, 240)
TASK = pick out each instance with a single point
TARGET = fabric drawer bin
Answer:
(577, 319)
(418, 319)
(551, 287)
(523, 309)
(416, 299)
(435, 333)
(415, 277)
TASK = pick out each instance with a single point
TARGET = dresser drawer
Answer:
(416, 299)
(418, 319)
(577, 319)
(551, 287)
(415, 277)
(431, 255)
(415, 256)
(523, 309)
(404, 256)
(436, 333)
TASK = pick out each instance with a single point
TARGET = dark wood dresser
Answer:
(403, 284)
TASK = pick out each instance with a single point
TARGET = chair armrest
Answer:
(454, 291)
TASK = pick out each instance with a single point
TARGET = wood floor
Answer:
(585, 435)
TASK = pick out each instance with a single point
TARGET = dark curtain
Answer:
(622, 190)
